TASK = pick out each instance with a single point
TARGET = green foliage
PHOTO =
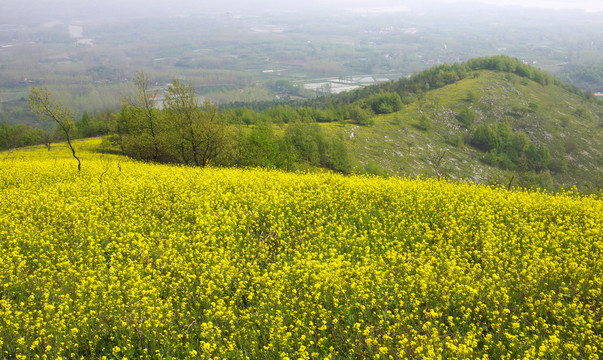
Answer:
(532, 179)
(559, 164)
(510, 65)
(307, 140)
(310, 144)
(384, 102)
(425, 122)
(589, 78)
(485, 138)
(397, 119)
(244, 115)
(262, 148)
(185, 131)
(142, 137)
(372, 168)
(89, 126)
(491, 158)
(197, 131)
(282, 114)
(536, 158)
(360, 116)
(466, 117)
(337, 156)
(188, 132)
(508, 150)
(583, 113)
(141, 127)
(330, 114)
(20, 135)
(15, 136)
(455, 140)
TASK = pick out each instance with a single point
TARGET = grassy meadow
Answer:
(134, 260)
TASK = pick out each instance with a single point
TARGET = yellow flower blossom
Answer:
(132, 260)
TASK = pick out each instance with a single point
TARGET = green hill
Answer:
(434, 134)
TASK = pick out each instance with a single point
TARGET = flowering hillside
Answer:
(132, 260)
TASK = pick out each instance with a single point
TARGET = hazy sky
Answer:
(588, 5)
(81, 10)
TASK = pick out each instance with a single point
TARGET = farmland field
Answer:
(134, 260)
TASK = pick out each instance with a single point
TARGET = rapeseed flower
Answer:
(133, 260)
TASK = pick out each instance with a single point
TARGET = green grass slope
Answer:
(569, 126)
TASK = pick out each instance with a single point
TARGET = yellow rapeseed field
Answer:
(127, 260)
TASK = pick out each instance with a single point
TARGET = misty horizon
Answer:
(69, 10)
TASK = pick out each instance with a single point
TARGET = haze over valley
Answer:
(237, 51)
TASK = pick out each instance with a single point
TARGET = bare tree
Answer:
(44, 105)
(437, 159)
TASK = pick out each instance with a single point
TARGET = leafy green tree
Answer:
(260, 148)
(310, 144)
(8, 140)
(537, 158)
(504, 132)
(140, 126)
(201, 133)
(83, 125)
(248, 116)
(282, 114)
(89, 126)
(303, 136)
(184, 118)
(385, 102)
(491, 158)
(466, 117)
(360, 116)
(338, 158)
(484, 138)
(42, 103)
(425, 122)
(520, 141)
